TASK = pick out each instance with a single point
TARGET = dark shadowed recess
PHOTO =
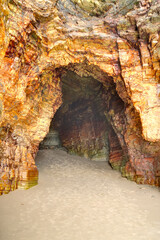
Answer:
(82, 125)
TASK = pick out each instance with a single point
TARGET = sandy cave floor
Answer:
(78, 199)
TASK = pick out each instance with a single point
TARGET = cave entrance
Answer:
(80, 125)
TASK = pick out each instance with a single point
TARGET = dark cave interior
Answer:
(80, 124)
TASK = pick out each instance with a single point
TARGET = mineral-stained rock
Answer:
(115, 42)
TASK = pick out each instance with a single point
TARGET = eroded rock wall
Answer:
(40, 38)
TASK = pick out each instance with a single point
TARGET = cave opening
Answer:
(81, 125)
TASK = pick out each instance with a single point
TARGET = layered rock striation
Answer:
(116, 43)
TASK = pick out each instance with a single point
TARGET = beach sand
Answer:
(79, 199)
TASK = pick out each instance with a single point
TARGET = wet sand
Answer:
(78, 199)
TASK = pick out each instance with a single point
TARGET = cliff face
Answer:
(117, 44)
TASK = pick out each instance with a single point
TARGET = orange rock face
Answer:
(41, 40)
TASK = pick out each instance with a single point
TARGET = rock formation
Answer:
(113, 49)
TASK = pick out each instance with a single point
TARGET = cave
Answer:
(90, 73)
(80, 121)
(81, 125)
(79, 98)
